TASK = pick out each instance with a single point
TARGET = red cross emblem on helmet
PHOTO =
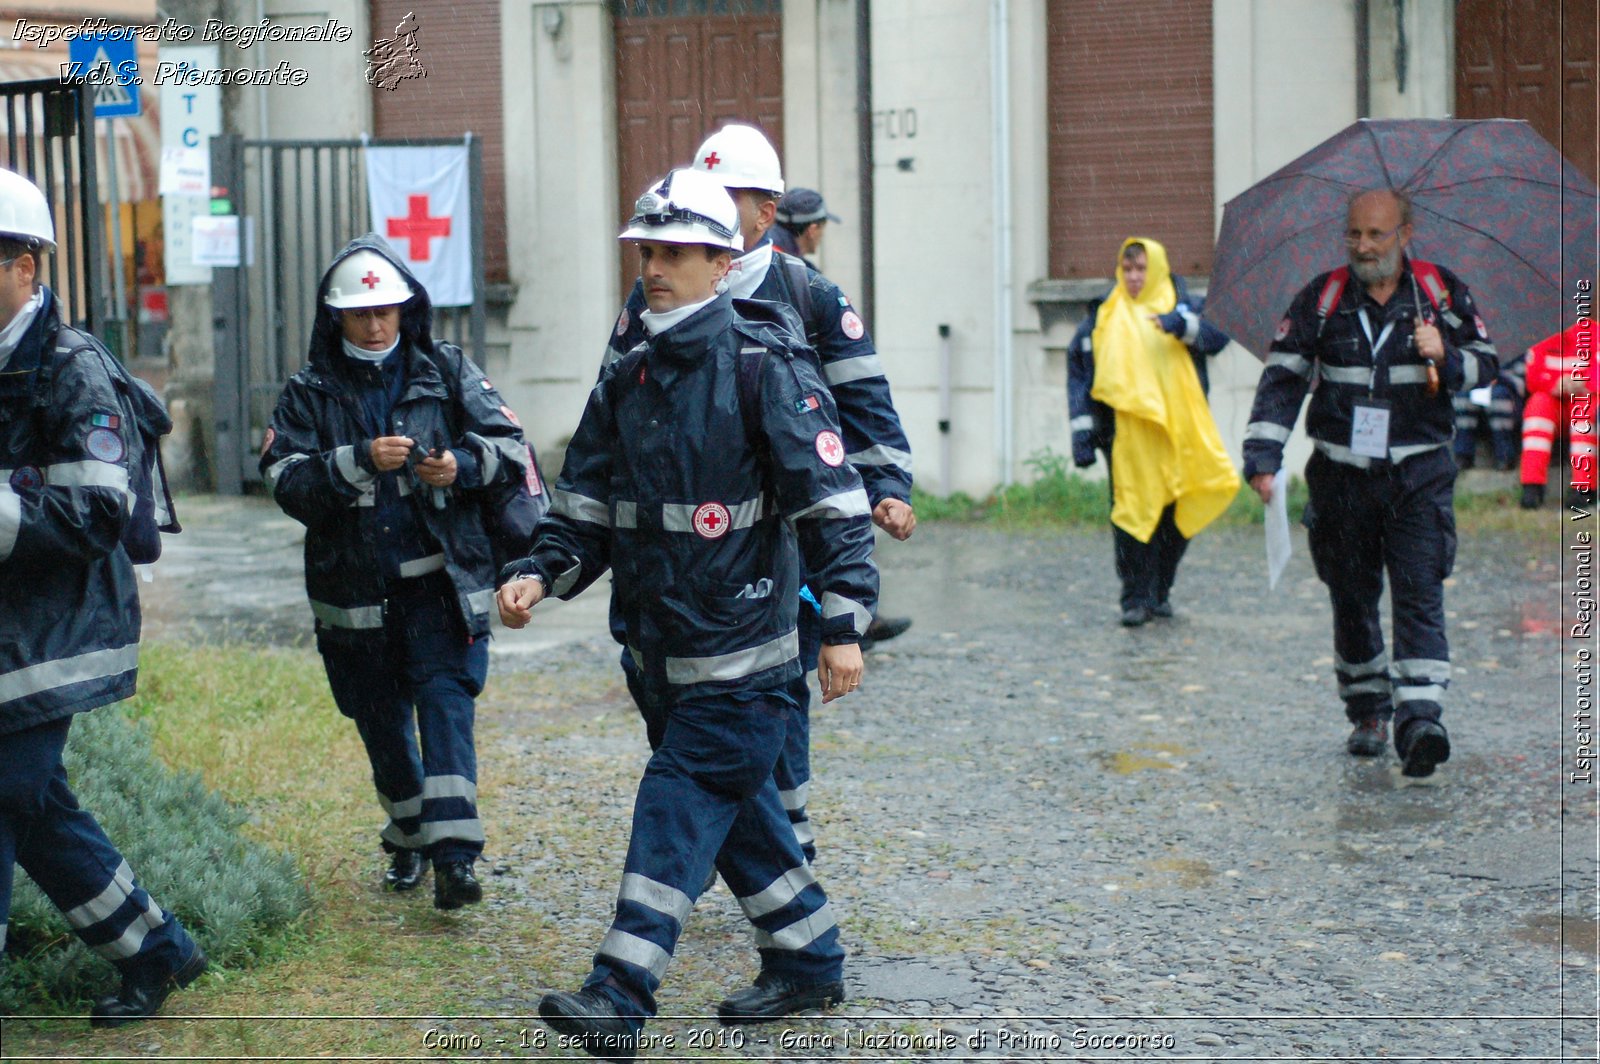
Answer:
(711, 520)
(829, 449)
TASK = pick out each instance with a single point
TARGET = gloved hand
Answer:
(1174, 322)
(1083, 449)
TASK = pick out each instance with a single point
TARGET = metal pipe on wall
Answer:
(867, 301)
(946, 473)
(1000, 96)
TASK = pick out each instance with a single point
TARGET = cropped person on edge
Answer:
(69, 618)
(1136, 389)
(382, 446)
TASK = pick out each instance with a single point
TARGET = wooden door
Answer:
(684, 72)
(1534, 61)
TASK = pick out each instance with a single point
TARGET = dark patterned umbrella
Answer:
(1492, 201)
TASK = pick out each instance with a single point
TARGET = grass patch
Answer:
(1058, 496)
(259, 726)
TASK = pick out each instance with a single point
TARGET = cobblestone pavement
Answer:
(1048, 837)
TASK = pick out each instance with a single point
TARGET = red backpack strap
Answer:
(1427, 275)
(1332, 290)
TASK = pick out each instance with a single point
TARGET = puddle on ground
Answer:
(1188, 872)
(1152, 757)
(1550, 928)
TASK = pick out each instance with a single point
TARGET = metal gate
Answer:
(299, 202)
(49, 139)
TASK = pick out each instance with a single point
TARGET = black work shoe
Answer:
(776, 996)
(1466, 461)
(454, 885)
(136, 1001)
(1532, 496)
(593, 1019)
(1369, 737)
(1134, 616)
(1163, 610)
(405, 870)
(1581, 497)
(883, 629)
(1423, 744)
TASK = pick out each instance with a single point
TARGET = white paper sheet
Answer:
(1278, 528)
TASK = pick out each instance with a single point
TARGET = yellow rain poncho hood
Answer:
(1167, 446)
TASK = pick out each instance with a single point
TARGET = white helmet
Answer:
(24, 215)
(686, 207)
(741, 157)
(366, 279)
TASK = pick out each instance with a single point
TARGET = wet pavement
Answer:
(1049, 837)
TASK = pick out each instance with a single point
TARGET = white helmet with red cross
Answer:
(741, 157)
(366, 279)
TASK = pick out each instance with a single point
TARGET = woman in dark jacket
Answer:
(386, 446)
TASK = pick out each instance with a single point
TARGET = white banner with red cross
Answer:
(421, 203)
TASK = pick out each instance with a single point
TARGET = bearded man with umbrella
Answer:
(1388, 341)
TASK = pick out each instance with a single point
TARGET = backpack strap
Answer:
(752, 357)
(798, 274)
(1332, 291)
(1425, 275)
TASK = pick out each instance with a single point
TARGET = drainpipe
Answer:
(1363, 61)
(864, 178)
(1000, 95)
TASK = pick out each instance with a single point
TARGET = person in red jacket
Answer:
(1562, 382)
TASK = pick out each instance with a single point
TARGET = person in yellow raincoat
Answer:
(1136, 390)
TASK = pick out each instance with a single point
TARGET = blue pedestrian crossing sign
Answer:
(110, 64)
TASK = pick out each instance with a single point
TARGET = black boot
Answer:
(1422, 744)
(137, 1000)
(454, 885)
(1368, 738)
(776, 996)
(1532, 496)
(593, 1019)
(405, 870)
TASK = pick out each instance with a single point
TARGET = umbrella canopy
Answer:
(1491, 200)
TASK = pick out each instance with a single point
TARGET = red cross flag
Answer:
(421, 204)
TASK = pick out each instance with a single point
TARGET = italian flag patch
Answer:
(105, 421)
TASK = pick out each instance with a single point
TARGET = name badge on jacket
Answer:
(1369, 428)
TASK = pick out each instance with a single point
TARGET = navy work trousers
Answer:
(64, 851)
(792, 772)
(708, 798)
(421, 685)
(1361, 522)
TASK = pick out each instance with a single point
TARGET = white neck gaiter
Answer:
(14, 331)
(360, 353)
(749, 270)
(656, 324)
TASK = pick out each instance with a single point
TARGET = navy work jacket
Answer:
(700, 520)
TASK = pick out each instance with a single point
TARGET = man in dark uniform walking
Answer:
(741, 159)
(704, 457)
(69, 617)
(1389, 341)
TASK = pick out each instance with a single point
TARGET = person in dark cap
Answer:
(802, 216)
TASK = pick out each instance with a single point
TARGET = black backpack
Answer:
(153, 512)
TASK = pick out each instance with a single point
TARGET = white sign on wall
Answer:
(190, 116)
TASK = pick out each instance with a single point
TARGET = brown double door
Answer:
(1535, 61)
(685, 69)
